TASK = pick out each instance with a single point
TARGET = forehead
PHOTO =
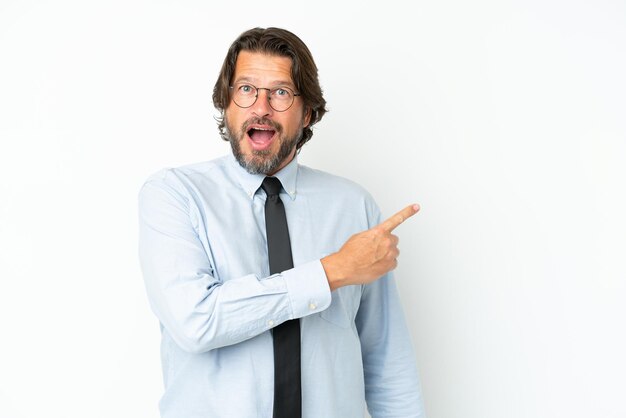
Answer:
(262, 67)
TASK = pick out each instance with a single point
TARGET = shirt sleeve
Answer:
(392, 386)
(199, 311)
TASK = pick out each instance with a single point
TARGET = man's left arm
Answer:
(392, 387)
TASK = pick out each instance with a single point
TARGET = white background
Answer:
(504, 119)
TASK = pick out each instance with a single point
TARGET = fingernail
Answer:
(416, 207)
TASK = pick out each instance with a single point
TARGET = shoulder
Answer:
(342, 191)
(189, 173)
(180, 185)
(313, 178)
(186, 178)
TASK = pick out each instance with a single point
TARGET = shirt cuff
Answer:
(308, 289)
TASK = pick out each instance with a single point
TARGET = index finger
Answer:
(392, 223)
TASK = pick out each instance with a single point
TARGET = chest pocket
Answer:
(343, 307)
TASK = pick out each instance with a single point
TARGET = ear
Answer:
(307, 117)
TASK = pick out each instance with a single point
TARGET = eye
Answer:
(245, 89)
(282, 93)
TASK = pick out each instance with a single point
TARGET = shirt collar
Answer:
(252, 182)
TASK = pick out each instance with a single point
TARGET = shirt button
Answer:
(270, 323)
(312, 306)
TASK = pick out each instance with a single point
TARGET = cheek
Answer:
(233, 119)
(294, 123)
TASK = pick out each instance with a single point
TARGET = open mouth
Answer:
(260, 137)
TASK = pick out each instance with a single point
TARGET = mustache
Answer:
(262, 121)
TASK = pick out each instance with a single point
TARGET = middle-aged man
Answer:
(271, 280)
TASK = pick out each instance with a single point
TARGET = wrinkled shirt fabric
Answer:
(203, 254)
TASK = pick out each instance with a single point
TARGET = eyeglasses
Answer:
(280, 98)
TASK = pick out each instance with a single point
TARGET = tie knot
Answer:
(271, 185)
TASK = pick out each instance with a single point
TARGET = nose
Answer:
(261, 106)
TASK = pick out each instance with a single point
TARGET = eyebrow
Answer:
(276, 83)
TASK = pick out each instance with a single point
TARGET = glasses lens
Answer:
(244, 95)
(281, 99)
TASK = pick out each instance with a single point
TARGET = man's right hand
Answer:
(368, 255)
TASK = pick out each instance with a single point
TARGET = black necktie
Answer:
(287, 384)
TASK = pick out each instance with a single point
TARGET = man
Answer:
(320, 335)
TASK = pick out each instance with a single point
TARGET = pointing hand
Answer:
(368, 255)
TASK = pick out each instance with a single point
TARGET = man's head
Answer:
(269, 96)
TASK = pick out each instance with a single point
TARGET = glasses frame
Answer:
(269, 95)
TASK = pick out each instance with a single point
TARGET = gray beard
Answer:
(261, 161)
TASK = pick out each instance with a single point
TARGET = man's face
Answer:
(262, 139)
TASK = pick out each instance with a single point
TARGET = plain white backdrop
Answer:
(505, 120)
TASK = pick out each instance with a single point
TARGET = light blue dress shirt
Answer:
(203, 254)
